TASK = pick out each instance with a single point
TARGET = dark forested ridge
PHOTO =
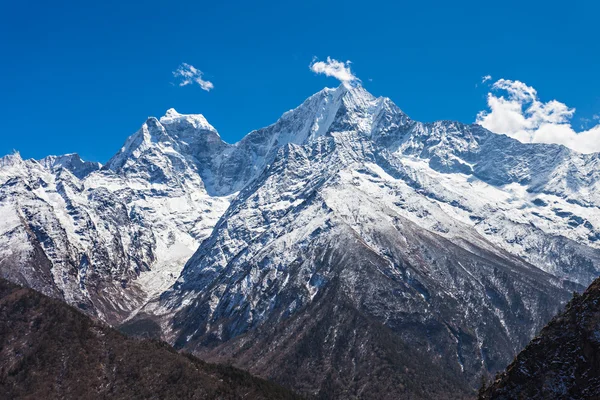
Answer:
(562, 362)
(49, 350)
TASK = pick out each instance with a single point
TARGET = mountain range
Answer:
(344, 251)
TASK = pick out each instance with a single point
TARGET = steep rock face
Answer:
(51, 351)
(563, 361)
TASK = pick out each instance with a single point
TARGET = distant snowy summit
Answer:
(197, 121)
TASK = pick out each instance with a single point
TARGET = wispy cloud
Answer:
(523, 116)
(486, 78)
(334, 68)
(188, 74)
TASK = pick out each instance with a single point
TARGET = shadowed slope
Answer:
(49, 350)
(563, 361)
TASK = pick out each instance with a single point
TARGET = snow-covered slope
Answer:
(107, 239)
(444, 238)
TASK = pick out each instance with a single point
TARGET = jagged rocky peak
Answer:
(137, 144)
(12, 168)
(191, 134)
(173, 136)
(195, 121)
(345, 113)
(346, 109)
(53, 164)
(11, 159)
(361, 117)
(71, 162)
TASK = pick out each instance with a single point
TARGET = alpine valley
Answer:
(346, 251)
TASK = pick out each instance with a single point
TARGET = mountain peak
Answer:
(197, 121)
(72, 162)
(173, 133)
(172, 113)
(11, 159)
(356, 95)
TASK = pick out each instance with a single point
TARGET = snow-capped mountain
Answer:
(343, 238)
(106, 239)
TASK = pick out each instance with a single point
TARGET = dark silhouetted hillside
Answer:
(48, 350)
(563, 361)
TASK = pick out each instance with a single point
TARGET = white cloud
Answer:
(523, 116)
(337, 69)
(189, 74)
(486, 78)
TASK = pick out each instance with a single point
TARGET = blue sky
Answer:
(81, 78)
